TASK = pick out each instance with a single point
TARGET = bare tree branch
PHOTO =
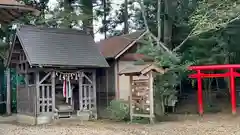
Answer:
(143, 14)
(190, 35)
(162, 45)
(187, 38)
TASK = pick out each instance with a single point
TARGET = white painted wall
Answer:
(124, 81)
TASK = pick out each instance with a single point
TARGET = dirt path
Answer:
(190, 125)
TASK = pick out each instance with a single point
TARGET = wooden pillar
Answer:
(80, 81)
(94, 91)
(9, 92)
(53, 77)
(37, 91)
(151, 98)
(130, 98)
(107, 86)
(17, 90)
(28, 94)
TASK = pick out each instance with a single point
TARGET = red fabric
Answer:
(64, 88)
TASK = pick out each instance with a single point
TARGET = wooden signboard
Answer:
(141, 89)
(141, 98)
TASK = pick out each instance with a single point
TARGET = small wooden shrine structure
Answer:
(51, 60)
(141, 98)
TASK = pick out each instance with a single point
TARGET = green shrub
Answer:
(119, 110)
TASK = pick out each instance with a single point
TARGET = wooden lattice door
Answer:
(87, 92)
(45, 98)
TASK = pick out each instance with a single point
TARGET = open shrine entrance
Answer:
(231, 74)
(66, 93)
(76, 91)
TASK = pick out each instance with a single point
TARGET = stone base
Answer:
(31, 120)
(26, 119)
(85, 116)
(44, 119)
(48, 118)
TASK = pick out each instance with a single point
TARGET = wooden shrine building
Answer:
(59, 67)
(141, 99)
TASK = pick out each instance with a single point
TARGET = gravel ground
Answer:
(186, 125)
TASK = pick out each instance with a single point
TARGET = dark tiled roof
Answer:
(113, 46)
(60, 47)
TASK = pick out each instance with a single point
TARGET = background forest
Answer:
(180, 32)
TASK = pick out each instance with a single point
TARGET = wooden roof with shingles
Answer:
(113, 46)
(11, 10)
(141, 69)
(59, 47)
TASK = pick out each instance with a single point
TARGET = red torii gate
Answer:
(231, 74)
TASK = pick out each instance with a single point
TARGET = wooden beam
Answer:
(13, 13)
(151, 97)
(16, 52)
(90, 81)
(107, 85)
(53, 77)
(17, 90)
(22, 8)
(28, 92)
(94, 91)
(45, 77)
(7, 15)
(8, 91)
(80, 81)
(130, 98)
(38, 94)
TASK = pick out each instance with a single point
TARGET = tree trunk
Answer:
(168, 22)
(159, 20)
(105, 19)
(126, 27)
(68, 9)
(194, 4)
(88, 10)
